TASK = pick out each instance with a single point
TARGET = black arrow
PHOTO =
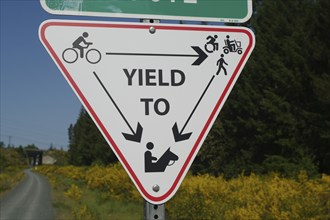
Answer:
(179, 136)
(136, 135)
(200, 54)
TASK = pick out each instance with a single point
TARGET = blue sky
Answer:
(36, 103)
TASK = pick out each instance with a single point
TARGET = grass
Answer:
(91, 204)
(108, 208)
(9, 179)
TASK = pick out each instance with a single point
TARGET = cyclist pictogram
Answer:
(70, 55)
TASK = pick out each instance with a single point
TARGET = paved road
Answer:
(31, 199)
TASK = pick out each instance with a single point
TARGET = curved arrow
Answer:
(179, 136)
(201, 55)
(136, 135)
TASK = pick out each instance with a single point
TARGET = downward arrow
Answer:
(137, 135)
(178, 136)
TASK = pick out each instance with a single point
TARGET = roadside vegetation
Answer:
(12, 162)
(99, 192)
(74, 198)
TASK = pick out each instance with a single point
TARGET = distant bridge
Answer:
(35, 157)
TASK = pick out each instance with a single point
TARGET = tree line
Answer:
(276, 118)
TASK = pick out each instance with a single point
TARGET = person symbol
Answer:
(152, 164)
(148, 158)
(230, 43)
(221, 63)
(211, 41)
(81, 40)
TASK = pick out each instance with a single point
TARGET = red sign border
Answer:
(237, 70)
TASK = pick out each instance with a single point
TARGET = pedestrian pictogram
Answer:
(153, 90)
(221, 62)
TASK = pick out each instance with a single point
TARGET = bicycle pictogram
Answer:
(70, 55)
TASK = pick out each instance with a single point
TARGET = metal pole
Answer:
(154, 212)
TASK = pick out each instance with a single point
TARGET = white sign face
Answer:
(153, 90)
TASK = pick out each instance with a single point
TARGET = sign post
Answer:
(197, 10)
(153, 212)
(153, 90)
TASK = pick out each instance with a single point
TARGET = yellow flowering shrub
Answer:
(74, 192)
(113, 180)
(8, 180)
(209, 197)
(73, 172)
(252, 197)
(83, 213)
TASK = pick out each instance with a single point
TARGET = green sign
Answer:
(198, 10)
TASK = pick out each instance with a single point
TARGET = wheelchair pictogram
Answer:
(211, 45)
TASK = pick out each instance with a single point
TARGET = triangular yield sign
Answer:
(153, 90)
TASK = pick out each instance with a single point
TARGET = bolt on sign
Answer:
(153, 90)
(197, 10)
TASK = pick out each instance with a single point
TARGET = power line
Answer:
(10, 128)
(33, 141)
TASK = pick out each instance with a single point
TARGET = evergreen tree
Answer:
(87, 145)
(276, 118)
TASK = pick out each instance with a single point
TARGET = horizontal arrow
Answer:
(136, 135)
(200, 54)
(179, 136)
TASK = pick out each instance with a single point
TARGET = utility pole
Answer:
(9, 141)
